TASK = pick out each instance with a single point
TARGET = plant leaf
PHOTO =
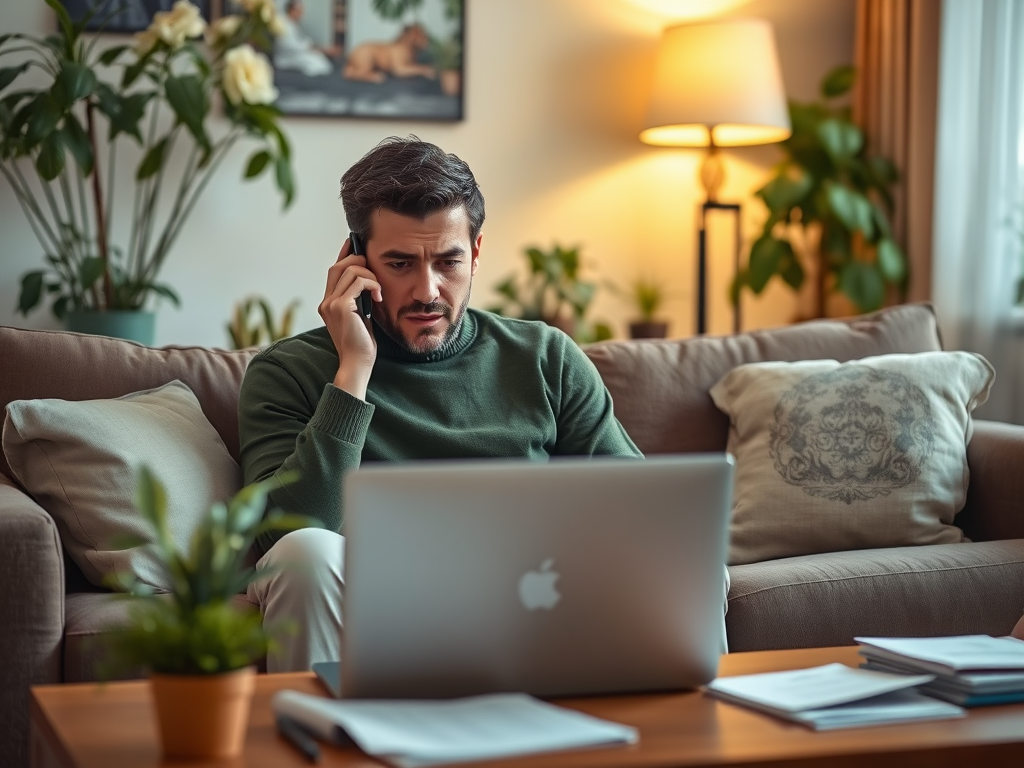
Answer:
(786, 190)
(852, 209)
(863, 284)
(110, 55)
(285, 183)
(257, 163)
(151, 501)
(50, 161)
(153, 160)
(765, 257)
(167, 293)
(90, 271)
(43, 118)
(841, 139)
(76, 140)
(188, 100)
(838, 81)
(73, 83)
(9, 74)
(891, 262)
(31, 290)
(791, 270)
(64, 19)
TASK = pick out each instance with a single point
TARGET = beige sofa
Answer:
(660, 389)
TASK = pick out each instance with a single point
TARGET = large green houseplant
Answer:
(840, 195)
(198, 644)
(554, 292)
(69, 106)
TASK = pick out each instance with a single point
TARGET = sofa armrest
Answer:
(31, 612)
(995, 497)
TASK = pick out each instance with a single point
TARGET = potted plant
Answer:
(646, 296)
(839, 198)
(446, 55)
(553, 292)
(66, 129)
(199, 647)
(245, 332)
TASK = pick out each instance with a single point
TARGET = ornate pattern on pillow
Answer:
(79, 461)
(837, 456)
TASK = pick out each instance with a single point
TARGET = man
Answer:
(293, 49)
(427, 378)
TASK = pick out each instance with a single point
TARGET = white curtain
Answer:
(978, 204)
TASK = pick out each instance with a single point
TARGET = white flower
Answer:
(276, 26)
(175, 26)
(222, 29)
(248, 77)
(144, 42)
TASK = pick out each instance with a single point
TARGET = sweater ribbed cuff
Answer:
(341, 415)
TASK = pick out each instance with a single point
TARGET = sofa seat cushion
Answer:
(828, 599)
(88, 616)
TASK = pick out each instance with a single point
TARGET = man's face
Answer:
(425, 269)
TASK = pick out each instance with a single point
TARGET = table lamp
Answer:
(716, 84)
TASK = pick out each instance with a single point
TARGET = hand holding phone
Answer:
(364, 301)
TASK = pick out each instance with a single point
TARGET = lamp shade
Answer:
(717, 80)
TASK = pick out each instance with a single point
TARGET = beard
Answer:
(426, 339)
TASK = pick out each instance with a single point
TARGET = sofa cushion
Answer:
(80, 460)
(75, 366)
(835, 456)
(88, 618)
(660, 387)
(828, 599)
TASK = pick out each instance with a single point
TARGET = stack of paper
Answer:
(970, 670)
(834, 696)
(424, 733)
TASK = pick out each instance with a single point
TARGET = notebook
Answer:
(575, 576)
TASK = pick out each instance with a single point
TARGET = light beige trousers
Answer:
(299, 593)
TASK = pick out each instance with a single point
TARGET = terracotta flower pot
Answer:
(203, 716)
(648, 330)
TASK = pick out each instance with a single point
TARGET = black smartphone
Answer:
(365, 300)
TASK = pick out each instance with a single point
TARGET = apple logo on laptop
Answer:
(537, 588)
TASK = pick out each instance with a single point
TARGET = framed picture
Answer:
(371, 58)
(127, 16)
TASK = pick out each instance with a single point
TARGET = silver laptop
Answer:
(575, 576)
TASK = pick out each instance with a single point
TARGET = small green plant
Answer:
(645, 295)
(446, 54)
(830, 182)
(552, 292)
(196, 629)
(246, 331)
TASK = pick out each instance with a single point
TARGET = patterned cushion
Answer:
(835, 456)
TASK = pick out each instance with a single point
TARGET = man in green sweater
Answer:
(426, 378)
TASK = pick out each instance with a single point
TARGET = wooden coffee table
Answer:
(110, 726)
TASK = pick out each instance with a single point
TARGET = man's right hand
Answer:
(351, 332)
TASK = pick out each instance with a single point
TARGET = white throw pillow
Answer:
(836, 456)
(79, 461)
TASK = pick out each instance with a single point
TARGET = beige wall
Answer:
(555, 96)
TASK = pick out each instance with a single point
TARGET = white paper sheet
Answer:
(946, 655)
(423, 733)
(802, 689)
(834, 696)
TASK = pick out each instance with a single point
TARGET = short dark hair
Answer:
(410, 177)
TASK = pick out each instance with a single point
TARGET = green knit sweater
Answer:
(501, 388)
